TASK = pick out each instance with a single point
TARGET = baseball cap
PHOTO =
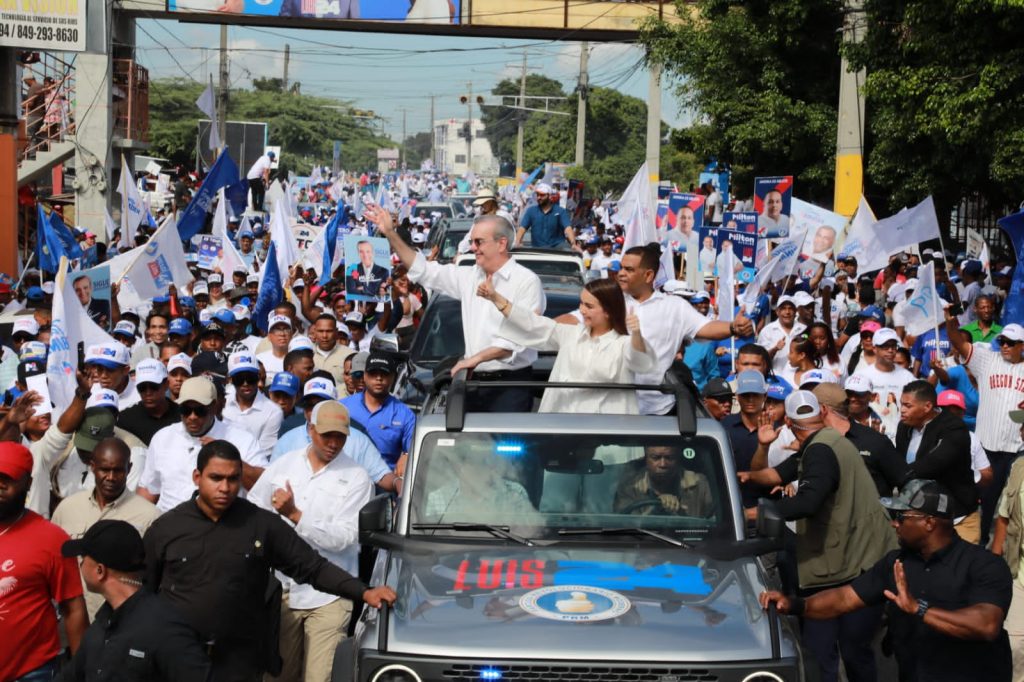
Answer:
(419, 238)
(150, 371)
(102, 397)
(330, 417)
(783, 300)
(817, 376)
(951, 398)
(896, 291)
(47, 288)
(271, 155)
(802, 405)
(215, 278)
(379, 363)
(873, 312)
(30, 368)
(927, 497)
(884, 336)
(32, 350)
(241, 312)
(354, 317)
(124, 328)
(205, 316)
(180, 326)
(858, 383)
(300, 342)
(319, 387)
(700, 296)
(35, 294)
(717, 387)
(869, 326)
(97, 425)
(210, 361)
(275, 320)
(750, 381)
(285, 382)
(113, 543)
(225, 316)
(214, 327)
(197, 390)
(802, 298)
(359, 362)
(179, 361)
(779, 389)
(112, 355)
(973, 267)
(831, 396)
(15, 460)
(242, 361)
(1013, 332)
(25, 324)
(252, 279)
(200, 288)
(543, 188)
(483, 196)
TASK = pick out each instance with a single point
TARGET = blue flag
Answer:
(1013, 308)
(66, 237)
(271, 293)
(531, 179)
(49, 248)
(192, 219)
(330, 245)
(238, 196)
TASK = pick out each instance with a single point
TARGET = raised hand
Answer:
(742, 325)
(902, 598)
(487, 290)
(767, 432)
(632, 322)
(379, 217)
(24, 407)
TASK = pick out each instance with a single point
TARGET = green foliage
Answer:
(945, 100)
(763, 78)
(417, 148)
(302, 125)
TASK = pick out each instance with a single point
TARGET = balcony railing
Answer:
(131, 101)
(47, 105)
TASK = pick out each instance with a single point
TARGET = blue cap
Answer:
(615, 266)
(875, 313)
(35, 294)
(180, 326)
(245, 233)
(225, 316)
(187, 301)
(779, 389)
(973, 267)
(700, 296)
(750, 381)
(161, 299)
(285, 382)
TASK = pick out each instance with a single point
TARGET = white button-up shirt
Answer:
(771, 334)
(172, 459)
(330, 500)
(480, 317)
(262, 420)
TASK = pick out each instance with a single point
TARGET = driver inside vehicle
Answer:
(661, 485)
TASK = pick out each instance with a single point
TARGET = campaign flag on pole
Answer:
(531, 179)
(637, 202)
(860, 240)
(49, 249)
(330, 247)
(160, 264)
(238, 196)
(907, 228)
(223, 173)
(207, 103)
(314, 177)
(922, 311)
(111, 225)
(1013, 308)
(270, 290)
(70, 325)
(66, 237)
(133, 211)
(230, 260)
(764, 276)
(281, 234)
(726, 294)
(788, 253)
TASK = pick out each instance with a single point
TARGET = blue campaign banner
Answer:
(417, 11)
(773, 197)
(1013, 308)
(720, 181)
(735, 248)
(740, 221)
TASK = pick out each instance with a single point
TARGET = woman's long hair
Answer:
(609, 297)
(830, 354)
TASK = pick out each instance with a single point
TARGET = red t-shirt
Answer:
(33, 574)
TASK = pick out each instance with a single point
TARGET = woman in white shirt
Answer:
(607, 348)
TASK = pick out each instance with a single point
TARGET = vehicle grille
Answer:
(580, 673)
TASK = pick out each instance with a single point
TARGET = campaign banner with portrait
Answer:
(722, 248)
(743, 221)
(824, 230)
(664, 191)
(367, 268)
(417, 11)
(210, 252)
(92, 287)
(772, 202)
(719, 181)
(685, 215)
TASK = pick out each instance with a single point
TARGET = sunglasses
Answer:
(901, 516)
(480, 240)
(245, 378)
(200, 411)
(1003, 341)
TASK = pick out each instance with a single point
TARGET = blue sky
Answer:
(387, 73)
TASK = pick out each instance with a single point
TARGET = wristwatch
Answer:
(922, 608)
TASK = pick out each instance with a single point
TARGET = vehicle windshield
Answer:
(450, 244)
(540, 483)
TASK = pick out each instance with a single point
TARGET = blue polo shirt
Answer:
(390, 428)
(547, 229)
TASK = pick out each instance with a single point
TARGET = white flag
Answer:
(70, 326)
(727, 291)
(922, 310)
(860, 240)
(207, 103)
(909, 227)
(787, 252)
(764, 276)
(111, 225)
(314, 177)
(281, 234)
(133, 211)
(160, 264)
(230, 259)
(637, 202)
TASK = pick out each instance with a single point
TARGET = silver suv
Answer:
(554, 547)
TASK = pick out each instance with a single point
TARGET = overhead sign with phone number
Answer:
(43, 24)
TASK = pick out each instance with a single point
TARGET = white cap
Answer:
(910, 285)
(802, 298)
(274, 320)
(784, 299)
(205, 315)
(112, 355)
(102, 397)
(544, 188)
(126, 327)
(1014, 332)
(47, 287)
(321, 387)
(818, 376)
(215, 278)
(884, 336)
(150, 371)
(802, 405)
(354, 316)
(859, 383)
(242, 361)
(252, 279)
(300, 342)
(180, 361)
(25, 324)
(896, 291)
(674, 286)
(200, 287)
(241, 312)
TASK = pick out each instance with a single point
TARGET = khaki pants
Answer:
(1014, 625)
(308, 640)
(969, 529)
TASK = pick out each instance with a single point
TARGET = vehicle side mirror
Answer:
(385, 342)
(770, 523)
(374, 519)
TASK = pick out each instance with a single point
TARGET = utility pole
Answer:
(222, 99)
(433, 135)
(581, 104)
(469, 128)
(654, 127)
(521, 119)
(850, 126)
(287, 56)
(402, 162)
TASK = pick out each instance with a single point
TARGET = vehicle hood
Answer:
(591, 604)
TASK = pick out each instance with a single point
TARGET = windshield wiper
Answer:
(500, 531)
(625, 531)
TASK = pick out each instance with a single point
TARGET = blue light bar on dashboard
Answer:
(509, 449)
(490, 674)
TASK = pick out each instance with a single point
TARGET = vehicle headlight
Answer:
(396, 673)
(763, 676)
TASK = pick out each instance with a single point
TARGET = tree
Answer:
(417, 148)
(763, 79)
